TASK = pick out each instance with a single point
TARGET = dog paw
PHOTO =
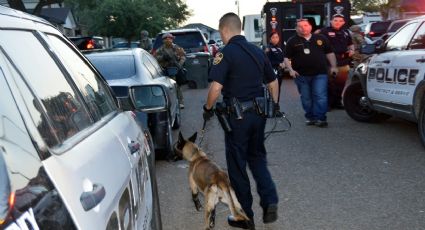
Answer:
(198, 205)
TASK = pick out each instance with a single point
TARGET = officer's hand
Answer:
(334, 71)
(293, 73)
(277, 111)
(208, 113)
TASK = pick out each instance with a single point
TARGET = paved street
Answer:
(350, 175)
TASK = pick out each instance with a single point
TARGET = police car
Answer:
(70, 157)
(391, 81)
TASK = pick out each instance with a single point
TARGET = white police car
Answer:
(70, 158)
(391, 81)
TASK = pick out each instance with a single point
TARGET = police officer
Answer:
(145, 41)
(275, 55)
(343, 47)
(358, 41)
(172, 55)
(237, 75)
(305, 57)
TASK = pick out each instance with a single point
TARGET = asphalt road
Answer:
(350, 175)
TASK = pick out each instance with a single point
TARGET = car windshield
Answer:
(114, 67)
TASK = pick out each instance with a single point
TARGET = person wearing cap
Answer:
(343, 48)
(145, 41)
(172, 55)
(358, 41)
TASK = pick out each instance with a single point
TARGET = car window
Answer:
(155, 63)
(62, 106)
(190, 41)
(418, 41)
(395, 26)
(151, 68)
(400, 40)
(95, 92)
(114, 67)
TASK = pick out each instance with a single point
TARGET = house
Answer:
(56, 14)
(406, 9)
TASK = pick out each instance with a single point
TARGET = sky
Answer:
(208, 12)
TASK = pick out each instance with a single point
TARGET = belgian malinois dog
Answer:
(207, 177)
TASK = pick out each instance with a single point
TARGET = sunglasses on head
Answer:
(302, 20)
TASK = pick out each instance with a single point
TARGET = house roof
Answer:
(55, 15)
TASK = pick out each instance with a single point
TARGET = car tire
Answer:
(358, 108)
(177, 118)
(421, 123)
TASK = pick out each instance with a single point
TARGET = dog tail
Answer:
(232, 202)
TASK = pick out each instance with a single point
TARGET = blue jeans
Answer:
(314, 95)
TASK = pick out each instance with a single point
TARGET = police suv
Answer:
(391, 81)
(70, 157)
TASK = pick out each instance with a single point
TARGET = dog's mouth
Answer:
(178, 154)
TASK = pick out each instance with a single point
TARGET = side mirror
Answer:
(149, 98)
(368, 49)
(125, 103)
(210, 42)
(172, 71)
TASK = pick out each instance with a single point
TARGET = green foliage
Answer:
(359, 6)
(126, 18)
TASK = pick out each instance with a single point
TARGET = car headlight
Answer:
(362, 67)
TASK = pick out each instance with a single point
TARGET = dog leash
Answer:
(202, 133)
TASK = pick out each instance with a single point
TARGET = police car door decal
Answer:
(379, 77)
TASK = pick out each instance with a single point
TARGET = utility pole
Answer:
(237, 3)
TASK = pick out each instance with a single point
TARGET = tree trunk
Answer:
(17, 5)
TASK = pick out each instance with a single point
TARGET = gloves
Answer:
(277, 111)
(208, 113)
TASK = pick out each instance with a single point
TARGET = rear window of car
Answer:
(114, 67)
(190, 41)
(379, 26)
(395, 26)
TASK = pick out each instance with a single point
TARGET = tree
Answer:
(126, 18)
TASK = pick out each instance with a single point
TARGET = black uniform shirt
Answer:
(308, 58)
(238, 72)
(340, 40)
(275, 55)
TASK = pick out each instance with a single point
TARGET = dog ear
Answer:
(193, 137)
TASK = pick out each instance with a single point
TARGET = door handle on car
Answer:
(420, 60)
(134, 146)
(91, 199)
(386, 61)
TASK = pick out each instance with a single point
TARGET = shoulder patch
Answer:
(218, 57)
(319, 42)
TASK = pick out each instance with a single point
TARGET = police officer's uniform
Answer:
(340, 40)
(240, 76)
(275, 55)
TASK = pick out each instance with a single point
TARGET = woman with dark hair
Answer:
(275, 54)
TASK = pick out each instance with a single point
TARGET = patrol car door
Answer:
(409, 67)
(382, 86)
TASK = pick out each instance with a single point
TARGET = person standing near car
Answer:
(238, 73)
(275, 55)
(306, 57)
(358, 41)
(145, 41)
(343, 48)
(172, 55)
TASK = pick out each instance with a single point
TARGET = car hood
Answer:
(125, 82)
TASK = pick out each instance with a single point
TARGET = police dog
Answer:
(207, 177)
